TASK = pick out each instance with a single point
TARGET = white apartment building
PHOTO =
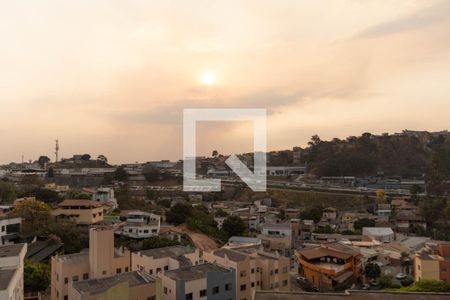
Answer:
(141, 225)
(11, 271)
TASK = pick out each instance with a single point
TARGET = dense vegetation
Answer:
(399, 155)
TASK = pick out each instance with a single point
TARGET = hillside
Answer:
(406, 154)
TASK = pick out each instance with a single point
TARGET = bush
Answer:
(407, 281)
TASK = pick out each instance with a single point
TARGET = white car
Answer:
(401, 276)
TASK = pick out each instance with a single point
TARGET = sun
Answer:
(208, 78)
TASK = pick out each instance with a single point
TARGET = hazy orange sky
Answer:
(112, 77)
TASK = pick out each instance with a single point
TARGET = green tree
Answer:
(233, 226)
(158, 242)
(50, 172)
(46, 195)
(220, 213)
(120, 174)
(36, 276)
(313, 213)
(372, 270)
(43, 160)
(385, 281)
(364, 222)
(86, 157)
(179, 213)
(7, 192)
(35, 216)
(101, 158)
(69, 234)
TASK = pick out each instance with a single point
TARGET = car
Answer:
(366, 286)
(400, 276)
(373, 282)
(301, 279)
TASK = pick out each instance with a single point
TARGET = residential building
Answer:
(329, 214)
(141, 225)
(409, 221)
(155, 261)
(79, 211)
(105, 195)
(9, 229)
(330, 266)
(254, 269)
(11, 271)
(204, 281)
(99, 261)
(381, 234)
(433, 262)
(350, 295)
(134, 285)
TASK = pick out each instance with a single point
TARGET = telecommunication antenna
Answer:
(56, 150)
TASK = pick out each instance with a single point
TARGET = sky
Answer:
(113, 77)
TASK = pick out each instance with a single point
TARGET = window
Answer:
(243, 287)
(215, 290)
(285, 282)
(165, 290)
(145, 230)
(253, 284)
(166, 268)
(118, 270)
(189, 296)
(257, 270)
(276, 271)
(75, 278)
(158, 270)
(271, 272)
(85, 276)
(243, 273)
(126, 269)
(151, 298)
(104, 272)
(66, 280)
(228, 287)
(202, 293)
(257, 283)
(151, 271)
(252, 270)
(66, 297)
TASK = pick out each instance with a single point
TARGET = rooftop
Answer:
(231, 254)
(172, 251)
(79, 202)
(5, 277)
(11, 250)
(194, 272)
(349, 295)
(95, 286)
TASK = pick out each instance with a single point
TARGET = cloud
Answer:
(423, 18)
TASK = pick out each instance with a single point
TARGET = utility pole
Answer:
(56, 150)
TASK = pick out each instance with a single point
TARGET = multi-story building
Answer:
(9, 228)
(381, 234)
(79, 211)
(105, 195)
(254, 269)
(100, 261)
(11, 271)
(330, 266)
(141, 225)
(155, 261)
(205, 281)
(433, 262)
(134, 285)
